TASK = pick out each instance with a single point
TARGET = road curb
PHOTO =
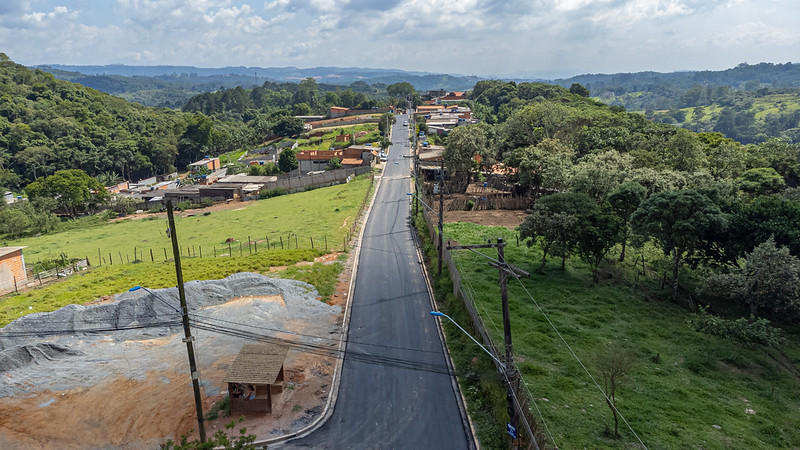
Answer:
(327, 412)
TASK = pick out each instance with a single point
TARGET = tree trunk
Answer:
(622, 256)
(676, 262)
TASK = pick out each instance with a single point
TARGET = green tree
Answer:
(624, 200)
(334, 164)
(760, 181)
(742, 331)
(401, 90)
(288, 126)
(73, 190)
(463, 143)
(287, 161)
(769, 280)
(579, 89)
(679, 221)
(547, 165)
(385, 123)
(599, 230)
(554, 223)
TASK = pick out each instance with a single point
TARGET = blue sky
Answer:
(472, 37)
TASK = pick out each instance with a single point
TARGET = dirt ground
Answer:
(130, 410)
(494, 217)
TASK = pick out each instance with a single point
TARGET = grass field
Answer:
(321, 214)
(108, 280)
(685, 389)
(328, 140)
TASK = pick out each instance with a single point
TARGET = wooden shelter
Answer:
(255, 379)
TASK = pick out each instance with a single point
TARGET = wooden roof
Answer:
(257, 364)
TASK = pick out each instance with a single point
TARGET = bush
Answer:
(269, 193)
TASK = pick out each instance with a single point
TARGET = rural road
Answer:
(395, 389)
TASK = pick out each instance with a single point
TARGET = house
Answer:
(337, 111)
(255, 378)
(12, 268)
(211, 164)
(353, 156)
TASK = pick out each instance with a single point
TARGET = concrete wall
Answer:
(12, 265)
(317, 180)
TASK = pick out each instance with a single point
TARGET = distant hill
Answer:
(173, 86)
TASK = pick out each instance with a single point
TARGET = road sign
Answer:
(512, 431)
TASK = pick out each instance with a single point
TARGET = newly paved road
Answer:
(395, 388)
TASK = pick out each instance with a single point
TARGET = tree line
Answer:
(604, 179)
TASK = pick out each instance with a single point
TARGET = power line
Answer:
(580, 362)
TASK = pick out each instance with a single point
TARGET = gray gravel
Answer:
(73, 358)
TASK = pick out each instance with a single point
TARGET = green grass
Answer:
(321, 214)
(108, 280)
(328, 140)
(699, 382)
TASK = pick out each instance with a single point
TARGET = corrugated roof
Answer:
(257, 364)
(352, 162)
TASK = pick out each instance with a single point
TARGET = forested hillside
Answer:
(749, 103)
(48, 125)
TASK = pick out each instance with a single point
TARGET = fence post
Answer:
(295, 242)
(255, 244)
(240, 248)
(165, 254)
(151, 255)
(98, 256)
(312, 243)
(201, 250)
(110, 260)
(15, 284)
(249, 245)
(230, 252)
(281, 242)
(128, 258)
(134, 253)
(215, 251)
(267, 242)
(326, 242)
(87, 261)
(120, 256)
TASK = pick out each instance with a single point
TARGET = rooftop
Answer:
(257, 364)
(8, 250)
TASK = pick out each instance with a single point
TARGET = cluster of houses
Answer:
(442, 112)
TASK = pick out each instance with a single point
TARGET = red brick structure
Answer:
(12, 268)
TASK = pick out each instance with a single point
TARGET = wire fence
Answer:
(534, 436)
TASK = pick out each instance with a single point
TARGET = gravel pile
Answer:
(36, 347)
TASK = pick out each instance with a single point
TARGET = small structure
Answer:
(211, 164)
(255, 379)
(12, 268)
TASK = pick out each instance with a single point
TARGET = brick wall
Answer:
(12, 265)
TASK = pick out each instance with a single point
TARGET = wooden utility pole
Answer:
(512, 383)
(441, 215)
(189, 339)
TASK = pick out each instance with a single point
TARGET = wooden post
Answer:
(104, 260)
(295, 242)
(151, 256)
(240, 248)
(127, 257)
(134, 253)
(201, 250)
(249, 245)
(281, 242)
(120, 256)
(312, 243)
(165, 254)
(110, 259)
(87, 261)
(267, 242)
(15, 284)
(215, 251)
(255, 244)
(98, 255)
(230, 252)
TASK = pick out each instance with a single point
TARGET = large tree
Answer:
(73, 191)
(463, 143)
(679, 221)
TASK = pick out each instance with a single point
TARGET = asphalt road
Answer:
(396, 390)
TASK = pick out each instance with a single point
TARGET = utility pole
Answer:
(441, 215)
(188, 338)
(510, 374)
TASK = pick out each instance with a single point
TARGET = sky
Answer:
(546, 38)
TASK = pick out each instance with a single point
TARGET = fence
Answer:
(522, 408)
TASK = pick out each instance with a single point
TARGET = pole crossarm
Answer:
(511, 270)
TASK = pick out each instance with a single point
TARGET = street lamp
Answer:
(441, 314)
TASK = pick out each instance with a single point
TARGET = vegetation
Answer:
(736, 396)
(109, 280)
(334, 209)
(220, 439)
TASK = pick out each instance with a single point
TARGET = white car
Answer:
(405, 123)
